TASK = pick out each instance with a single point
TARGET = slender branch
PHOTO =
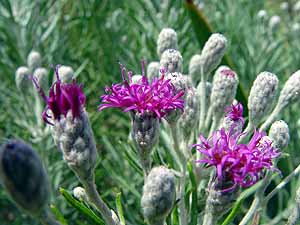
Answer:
(271, 118)
(202, 100)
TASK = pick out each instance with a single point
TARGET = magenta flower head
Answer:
(158, 97)
(241, 164)
(235, 112)
(62, 98)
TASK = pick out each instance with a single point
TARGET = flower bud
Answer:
(262, 96)
(171, 60)
(34, 60)
(153, 70)
(195, 68)
(279, 133)
(224, 87)
(158, 195)
(296, 28)
(80, 194)
(190, 116)
(41, 75)
(22, 79)
(145, 134)
(274, 23)
(178, 80)
(219, 201)
(290, 91)
(23, 176)
(212, 53)
(136, 79)
(284, 6)
(74, 137)
(66, 74)
(296, 7)
(262, 15)
(167, 39)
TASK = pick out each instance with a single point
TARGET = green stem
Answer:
(47, 218)
(202, 101)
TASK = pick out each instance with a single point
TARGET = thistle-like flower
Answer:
(242, 164)
(234, 120)
(24, 177)
(71, 128)
(159, 97)
(158, 195)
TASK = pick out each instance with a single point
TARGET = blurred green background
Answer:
(92, 36)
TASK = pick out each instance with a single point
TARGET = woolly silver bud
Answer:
(158, 195)
(178, 80)
(195, 68)
(223, 91)
(279, 133)
(171, 60)
(74, 137)
(136, 78)
(290, 91)
(66, 74)
(284, 6)
(80, 194)
(296, 7)
(153, 70)
(262, 15)
(24, 177)
(219, 202)
(274, 22)
(167, 39)
(212, 53)
(234, 126)
(41, 75)
(262, 96)
(296, 27)
(34, 60)
(145, 134)
(22, 79)
(190, 116)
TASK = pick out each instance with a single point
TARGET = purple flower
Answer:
(159, 96)
(62, 98)
(235, 112)
(242, 164)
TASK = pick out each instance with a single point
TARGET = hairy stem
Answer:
(271, 118)
(95, 198)
(202, 101)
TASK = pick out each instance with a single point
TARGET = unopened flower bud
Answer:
(262, 96)
(279, 133)
(80, 194)
(274, 23)
(24, 177)
(74, 137)
(41, 75)
(296, 28)
(262, 15)
(296, 7)
(136, 78)
(158, 195)
(34, 60)
(290, 91)
(171, 60)
(284, 6)
(167, 39)
(178, 80)
(145, 134)
(153, 70)
(219, 201)
(66, 74)
(188, 119)
(212, 53)
(195, 68)
(224, 87)
(22, 79)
